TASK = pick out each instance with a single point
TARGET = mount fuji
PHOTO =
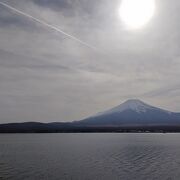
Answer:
(131, 116)
(133, 113)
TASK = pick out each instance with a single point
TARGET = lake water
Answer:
(90, 156)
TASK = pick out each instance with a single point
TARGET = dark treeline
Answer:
(33, 127)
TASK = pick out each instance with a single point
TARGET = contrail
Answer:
(47, 25)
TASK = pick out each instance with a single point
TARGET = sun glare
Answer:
(136, 13)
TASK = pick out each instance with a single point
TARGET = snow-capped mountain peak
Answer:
(133, 113)
(133, 105)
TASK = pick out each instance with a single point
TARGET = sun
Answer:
(136, 13)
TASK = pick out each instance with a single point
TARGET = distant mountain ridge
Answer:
(130, 116)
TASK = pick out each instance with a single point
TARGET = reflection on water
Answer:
(90, 156)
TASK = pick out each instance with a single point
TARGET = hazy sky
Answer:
(46, 76)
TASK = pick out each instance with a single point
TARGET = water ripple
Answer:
(90, 156)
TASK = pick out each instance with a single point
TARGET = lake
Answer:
(90, 156)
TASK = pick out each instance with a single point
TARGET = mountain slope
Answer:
(133, 113)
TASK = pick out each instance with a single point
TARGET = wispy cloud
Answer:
(48, 75)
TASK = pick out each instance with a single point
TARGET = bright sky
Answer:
(95, 56)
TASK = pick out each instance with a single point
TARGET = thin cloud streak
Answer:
(48, 25)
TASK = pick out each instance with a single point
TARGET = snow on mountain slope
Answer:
(134, 105)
